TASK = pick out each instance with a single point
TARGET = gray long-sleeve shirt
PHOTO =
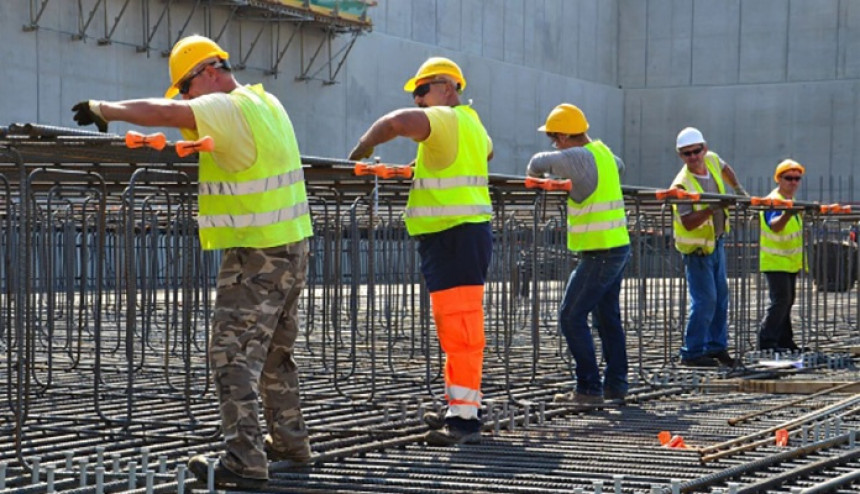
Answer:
(576, 163)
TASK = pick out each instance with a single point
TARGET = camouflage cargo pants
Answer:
(254, 330)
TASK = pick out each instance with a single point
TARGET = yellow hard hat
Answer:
(565, 119)
(787, 165)
(435, 66)
(186, 54)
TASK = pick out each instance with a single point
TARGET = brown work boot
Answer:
(578, 398)
(298, 455)
(223, 476)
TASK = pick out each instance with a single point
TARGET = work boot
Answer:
(299, 455)
(578, 398)
(614, 395)
(450, 436)
(434, 420)
(702, 361)
(724, 358)
(224, 477)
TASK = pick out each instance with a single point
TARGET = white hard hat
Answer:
(689, 136)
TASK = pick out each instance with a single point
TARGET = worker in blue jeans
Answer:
(698, 229)
(597, 230)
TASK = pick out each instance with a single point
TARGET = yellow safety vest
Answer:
(443, 199)
(701, 237)
(265, 205)
(599, 222)
(781, 251)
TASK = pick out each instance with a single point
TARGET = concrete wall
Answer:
(763, 79)
(520, 58)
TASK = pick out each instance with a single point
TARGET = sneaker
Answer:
(300, 455)
(724, 358)
(613, 395)
(451, 436)
(224, 477)
(578, 398)
(434, 420)
(700, 362)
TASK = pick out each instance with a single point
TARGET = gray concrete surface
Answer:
(763, 79)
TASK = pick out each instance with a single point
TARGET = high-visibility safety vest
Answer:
(265, 205)
(599, 222)
(457, 194)
(781, 251)
(701, 237)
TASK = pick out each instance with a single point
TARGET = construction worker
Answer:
(698, 230)
(781, 258)
(253, 206)
(449, 212)
(597, 230)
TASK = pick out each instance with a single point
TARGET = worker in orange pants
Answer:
(449, 212)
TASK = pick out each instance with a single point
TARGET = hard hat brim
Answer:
(542, 128)
(171, 92)
(410, 85)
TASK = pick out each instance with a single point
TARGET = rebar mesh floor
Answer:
(530, 444)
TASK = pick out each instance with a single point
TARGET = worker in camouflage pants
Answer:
(252, 206)
(256, 309)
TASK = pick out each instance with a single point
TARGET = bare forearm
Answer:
(380, 132)
(694, 220)
(151, 112)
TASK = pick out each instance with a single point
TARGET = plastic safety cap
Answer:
(689, 136)
(436, 66)
(565, 119)
(787, 165)
(186, 54)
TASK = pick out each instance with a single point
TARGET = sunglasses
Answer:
(791, 178)
(693, 152)
(185, 85)
(423, 89)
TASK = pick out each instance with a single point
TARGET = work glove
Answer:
(89, 112)
(360, 152)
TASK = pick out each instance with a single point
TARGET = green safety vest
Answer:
(701, 237)
(782, 251)
(265, 205)
(599, 222)
(443, 199)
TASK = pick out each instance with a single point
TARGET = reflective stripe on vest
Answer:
(599, 222)
(266, 204)
(781, 251)
(252, 186)
(254, 219)
(432, 212)
(448, 183)
(703, 236)
(442, 199)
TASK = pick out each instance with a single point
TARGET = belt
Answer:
(600, 252)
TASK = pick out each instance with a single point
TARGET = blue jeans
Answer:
(594, 286)
(707, 325)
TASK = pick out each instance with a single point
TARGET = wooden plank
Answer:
(795, 386)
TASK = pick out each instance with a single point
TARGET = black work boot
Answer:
(434, 420)
(450, 436)
(224, 477)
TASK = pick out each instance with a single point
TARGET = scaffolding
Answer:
(323, 31)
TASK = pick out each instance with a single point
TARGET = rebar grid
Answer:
(104, 324)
